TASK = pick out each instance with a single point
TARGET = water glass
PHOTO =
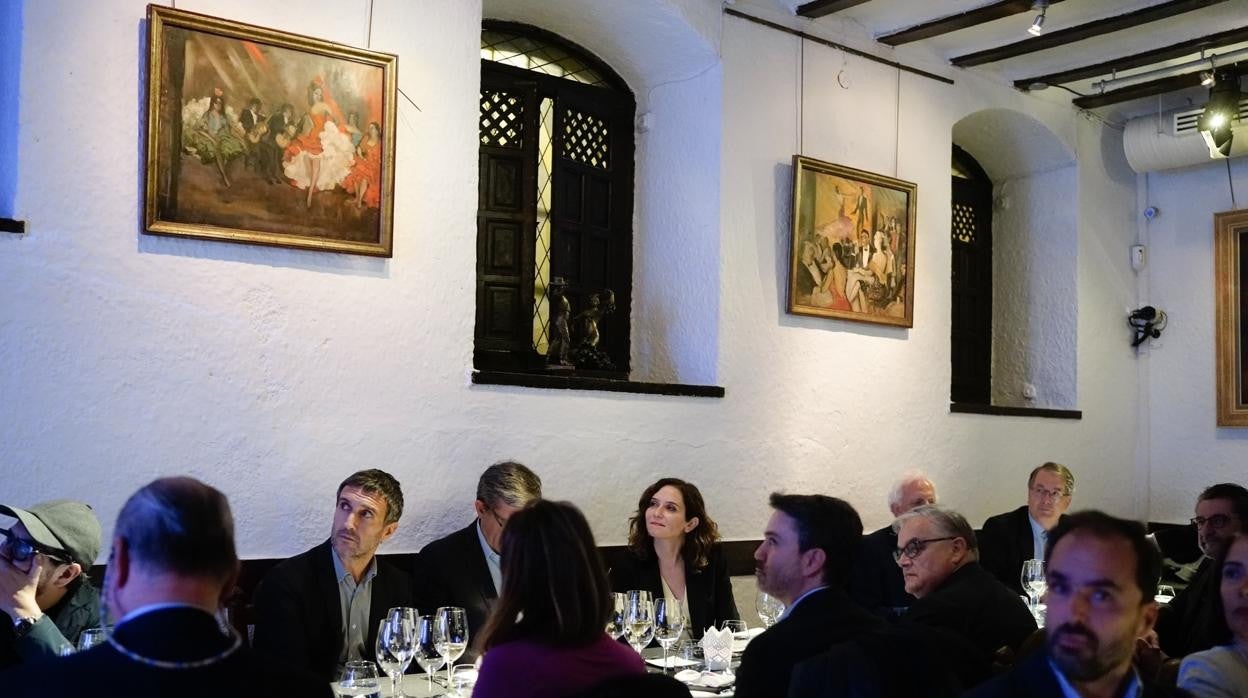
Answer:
(619, 607)
(1033, 580)
(451, 635)
(463, 678)
(769, 608)
(669, 623)
(1165, 594)
(395, 645)
(90, 638)
(426, 647)
(359, 678)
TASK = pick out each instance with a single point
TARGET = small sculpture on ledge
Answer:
(587, 354)
(560, 327)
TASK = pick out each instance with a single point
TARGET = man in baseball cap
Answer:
(45, 597)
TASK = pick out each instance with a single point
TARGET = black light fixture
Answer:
(1217, 121)
(1037, 25)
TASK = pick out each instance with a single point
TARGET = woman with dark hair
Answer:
(546, 636)
(673, 552)
(1222, 672)
(213, 138)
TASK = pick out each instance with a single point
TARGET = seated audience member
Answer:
(804, 560)
(545, 636)
(44, 591)
(463, 569)
(1222, 671)
(876, 583)
(320, 609)
(1102, 575)
(938, 558)
(1010, 539)
(673, 552)
(172, 563)
(1183, 625)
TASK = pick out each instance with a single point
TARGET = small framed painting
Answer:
(852, 249)
(256, 135)
(1230, 249)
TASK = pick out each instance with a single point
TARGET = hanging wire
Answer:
(897, 133)
(801, 96)
(1231, 184)
(368, 39)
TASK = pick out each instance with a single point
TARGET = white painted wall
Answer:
(273, 373)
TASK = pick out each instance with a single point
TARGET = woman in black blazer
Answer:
(673, 543)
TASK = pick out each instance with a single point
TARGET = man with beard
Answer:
(1102, 575)
(1184, 625)
(804, 560)
(320, 609)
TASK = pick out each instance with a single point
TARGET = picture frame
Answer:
(851, 253)
(1230, 250)
(260, 136)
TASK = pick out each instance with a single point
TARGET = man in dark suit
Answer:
(172, 564)
(1184, 625)
(876, 582)
(1010, 539)
(269, 151)
(804, 560)
(463, 569)
(937, 554)
(1102, 575)
(320, 609)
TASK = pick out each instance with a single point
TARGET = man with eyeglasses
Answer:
(876, 582)
(44, 590)
(938, 556)
(1010, 539)
(464, 569)
(1183, 626)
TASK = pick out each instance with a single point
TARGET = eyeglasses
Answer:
(916, 546)
(1042, 493)
(21, 550)
(1217, 521)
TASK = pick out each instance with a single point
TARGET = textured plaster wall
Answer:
(1188, 451)
(273, 373)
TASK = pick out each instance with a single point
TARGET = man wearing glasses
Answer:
(1010, 539)
(43, 589)
(938, 557)
(1182, 627)
(463, 569)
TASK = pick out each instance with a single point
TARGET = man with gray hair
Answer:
(939, 560)
(876, 582)
(1010, 539)
(463, 569)
(173, 562)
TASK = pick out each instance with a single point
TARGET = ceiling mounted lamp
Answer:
(1217, 121)
(1207, 79)
(1037, 25)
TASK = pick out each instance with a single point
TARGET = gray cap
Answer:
(62, 525)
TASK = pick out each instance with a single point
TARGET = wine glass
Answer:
(451, 635)
(668, 623)
(426, 647)
(1033, 580)
(769, 608)
(90, 638)
(615, 624)
(639, 619)
(740, 633)
(395, 646)
(359, 678)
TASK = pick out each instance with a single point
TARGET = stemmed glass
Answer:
(1034, 583)
(740, 632)
(451, 635)
(359, 678)
(426, 647)
(769, 608)
(639, 619)
(619, 606)
(396, 645)
(669, 623)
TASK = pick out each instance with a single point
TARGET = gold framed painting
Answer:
(851, 255)
(260, 136)
(1230, 249)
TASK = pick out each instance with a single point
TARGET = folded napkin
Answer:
(704, 678)
(673, 661)
(717, 647)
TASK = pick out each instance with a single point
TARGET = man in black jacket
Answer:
(804, 560)
(876, 582)
(1010, 539)
(464, 569)
(320, 609)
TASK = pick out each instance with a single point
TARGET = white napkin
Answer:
(717, 646)
(673, 661)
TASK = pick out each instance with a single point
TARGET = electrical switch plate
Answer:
(1139, 257)
(1029, 391)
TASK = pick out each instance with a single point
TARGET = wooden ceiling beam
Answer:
(1152, 88)
(1090, 30)
(962, 20)
(820, 8)
(1139, 60)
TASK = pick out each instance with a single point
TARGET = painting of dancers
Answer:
(852, 249)
(260, 136)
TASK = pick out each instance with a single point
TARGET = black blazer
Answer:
(1033, 678)
(709, 589)
(823, 619)
(299, 616)
(1005, 543)
(973, 604)
(1184, 625)
(876, 583)
(452, 571)
(168, 634)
